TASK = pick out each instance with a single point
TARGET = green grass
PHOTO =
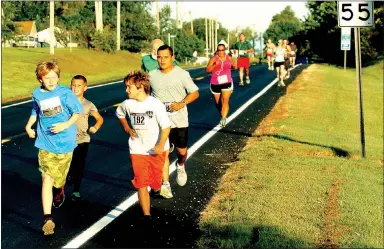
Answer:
(300, 181)
(19, 64)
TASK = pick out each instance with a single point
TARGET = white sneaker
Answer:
(166, 191)
(171, 147)
(181, 178)
(247, 80)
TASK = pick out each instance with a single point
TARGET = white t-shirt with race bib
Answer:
(147, 118)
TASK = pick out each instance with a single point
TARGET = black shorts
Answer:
(278, 64)
(224, 87)
(179, 137)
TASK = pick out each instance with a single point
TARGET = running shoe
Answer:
(223, 122)
(241, 83)
(247, 80)
(48, 226)
(76, 196)
(171, 147)
(58, 197)
(166, 191)
(181, 178)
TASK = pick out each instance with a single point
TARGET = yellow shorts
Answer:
(55, 165)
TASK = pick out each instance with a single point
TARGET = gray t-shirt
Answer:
(173, 87)
(82, 122)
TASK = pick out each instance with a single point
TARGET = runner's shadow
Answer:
(336, 151)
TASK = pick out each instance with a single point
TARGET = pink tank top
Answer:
(221, 73)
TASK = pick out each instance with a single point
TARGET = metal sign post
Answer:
(356, 15)
(345, 43)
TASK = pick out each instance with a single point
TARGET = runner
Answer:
(221, 81)
(279, 62)
(175, 88)
(76, 170)
(55, 108)
(269, 51)
(149, 62)
(243, 61)
(148, 136)
(292, 58)
(286, 58)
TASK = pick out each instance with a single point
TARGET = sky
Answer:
(257, 15)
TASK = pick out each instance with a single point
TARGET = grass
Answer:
(19, 64)
(300, 181)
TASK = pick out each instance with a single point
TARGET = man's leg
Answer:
(241, 75)
(144, 200)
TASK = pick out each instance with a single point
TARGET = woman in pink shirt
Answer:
(220, 66)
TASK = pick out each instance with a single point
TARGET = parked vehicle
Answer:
(25, 41)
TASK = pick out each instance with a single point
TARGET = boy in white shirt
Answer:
(149, 130)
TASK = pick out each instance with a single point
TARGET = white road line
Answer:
(131, 200)
(90, 87)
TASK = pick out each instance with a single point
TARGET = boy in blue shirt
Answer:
(56, 109)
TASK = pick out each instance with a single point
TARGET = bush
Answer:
(104, 41)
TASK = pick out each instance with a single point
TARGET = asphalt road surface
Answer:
(108, 172)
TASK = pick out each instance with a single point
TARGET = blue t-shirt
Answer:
(53, 107)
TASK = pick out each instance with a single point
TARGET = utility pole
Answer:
(209, 35)
(213, 36)
(157, 17)
(52, 26)
(118, 26)
(99, 15)
(190, 17)
(216, 33)
(206, 37)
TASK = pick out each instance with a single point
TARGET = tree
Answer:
(9, 29)
(283, 26)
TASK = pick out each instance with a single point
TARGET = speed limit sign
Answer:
(355, 14)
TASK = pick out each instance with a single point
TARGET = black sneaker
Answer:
(58, 197)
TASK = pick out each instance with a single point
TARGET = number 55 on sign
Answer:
(355, 14)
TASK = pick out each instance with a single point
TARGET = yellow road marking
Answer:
(199, 78)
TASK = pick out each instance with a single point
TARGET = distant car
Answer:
(201, 60)
(25, 41)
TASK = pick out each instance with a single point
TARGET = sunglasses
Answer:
(219, 50)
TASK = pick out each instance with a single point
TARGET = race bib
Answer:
(241, 52)
(168, 108)
(222, 79)
(140, 121)
(51, 107)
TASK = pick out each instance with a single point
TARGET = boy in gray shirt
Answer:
(175, 88)
(76, 170)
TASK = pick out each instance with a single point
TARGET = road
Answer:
(108, 170)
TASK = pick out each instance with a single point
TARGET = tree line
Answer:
(319, 35)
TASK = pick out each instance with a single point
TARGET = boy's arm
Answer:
(99, 122)
(28, 127)
(59, 127)
(127, 129)
(159, 147)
